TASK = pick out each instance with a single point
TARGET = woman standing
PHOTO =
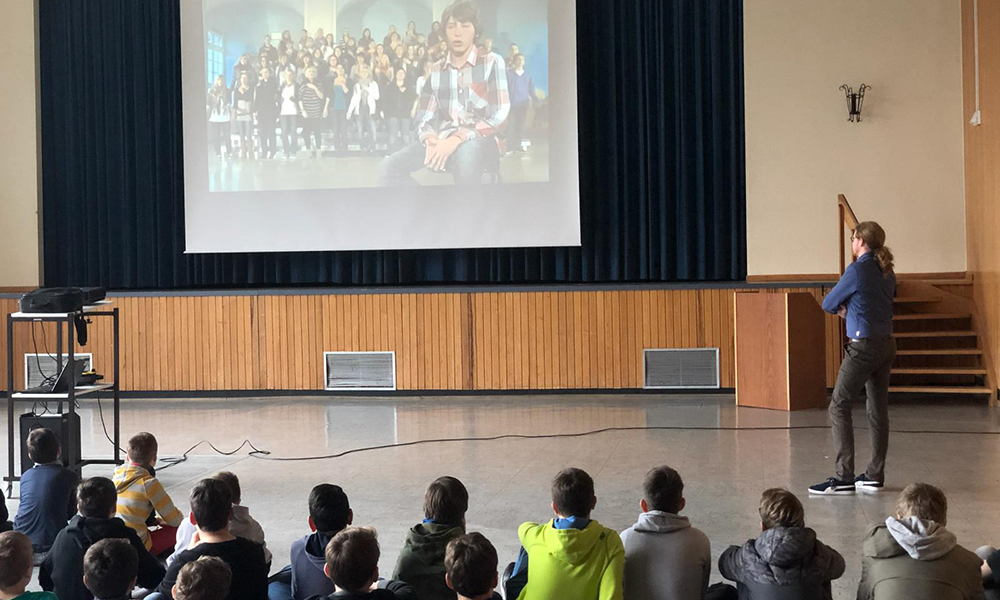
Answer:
(399, 102)
(219, 115)
(243, 114)
(864, 298)
(289, 112)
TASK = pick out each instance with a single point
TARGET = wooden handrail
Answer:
(845, 217)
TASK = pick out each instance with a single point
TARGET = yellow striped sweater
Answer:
(139, 494)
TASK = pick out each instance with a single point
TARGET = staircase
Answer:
(938, 349)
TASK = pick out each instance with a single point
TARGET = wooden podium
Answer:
(780, 351)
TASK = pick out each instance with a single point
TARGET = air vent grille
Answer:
(360, 371)
(681, 368)
(41, 367)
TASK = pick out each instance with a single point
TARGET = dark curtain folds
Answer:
(661, 158)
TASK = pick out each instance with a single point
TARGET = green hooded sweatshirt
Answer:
(421, 560)
(572, 564)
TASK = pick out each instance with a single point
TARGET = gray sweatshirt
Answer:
(665, 558)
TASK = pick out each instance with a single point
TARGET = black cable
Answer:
(266, 455)
(259, 454)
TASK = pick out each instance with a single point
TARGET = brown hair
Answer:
(232, 481)
(43, 445)
(663, 489)
(780, 508)
(142, 448)
(446, 501)
(872, 235)
(463, 11)
(573, 493)
(471, 564)
(923, 501)
(352, 558)
(110, 567)
(16, 558)
(207, 578)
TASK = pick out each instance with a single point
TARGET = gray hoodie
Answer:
(915, 559)
(665, 558)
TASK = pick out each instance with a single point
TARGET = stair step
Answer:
(915, 299)
(939, 371)
(931, 389)
(934, 334)
(931, 316)
(941, 352)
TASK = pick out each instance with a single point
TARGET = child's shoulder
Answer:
(37, 596)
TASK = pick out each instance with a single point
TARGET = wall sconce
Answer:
(854, 101)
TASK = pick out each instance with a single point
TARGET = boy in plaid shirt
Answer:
(461, 111)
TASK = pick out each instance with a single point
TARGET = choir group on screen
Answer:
(320, 85)
(119, 538)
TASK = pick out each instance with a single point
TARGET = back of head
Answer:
(923, 501)
(446, 501)
(16, 558)
(97, 498)
(352, 558)
(212, 504)
(208, 578)
(43, 445)
(873, 236)
(663, 490)
(110, 567)
(573, 493)
(329, 508)
(142, 448)
(780, 508)
(471, 564)
(233, 482)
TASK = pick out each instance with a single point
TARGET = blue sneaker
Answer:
(833, 487)
(865, 483)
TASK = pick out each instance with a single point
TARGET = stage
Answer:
(508, 480)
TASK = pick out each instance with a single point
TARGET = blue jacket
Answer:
(48, 500)
(868, 294)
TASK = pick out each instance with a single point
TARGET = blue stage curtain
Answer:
(661, 158)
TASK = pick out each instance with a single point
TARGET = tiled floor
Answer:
(724, 469)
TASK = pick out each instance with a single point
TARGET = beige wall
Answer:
(901, 166)
(19, 248)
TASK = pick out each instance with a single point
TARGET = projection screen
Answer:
(314, 125)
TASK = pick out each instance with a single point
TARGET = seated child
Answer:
(329, 513)
(913, 556)
(241, 524)
(471, 567)
(140, 494)
(665, 558)
(109, 569)
(62, 570)
(352, 565)
(421, 560)
(572, 556)
(207, 578)
(212, 505)
(786, 554)
(47, 501)
(16, 564)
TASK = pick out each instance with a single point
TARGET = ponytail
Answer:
(873, 236)
(883, 256)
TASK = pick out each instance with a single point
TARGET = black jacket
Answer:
(782, 563)
(62, 570)
(393, 590)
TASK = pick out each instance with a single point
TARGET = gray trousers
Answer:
(866, 365)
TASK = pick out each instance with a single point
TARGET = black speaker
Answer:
(61, 425)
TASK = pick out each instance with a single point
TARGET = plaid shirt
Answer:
(470, 101)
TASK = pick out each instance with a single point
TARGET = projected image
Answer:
(326, 94)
